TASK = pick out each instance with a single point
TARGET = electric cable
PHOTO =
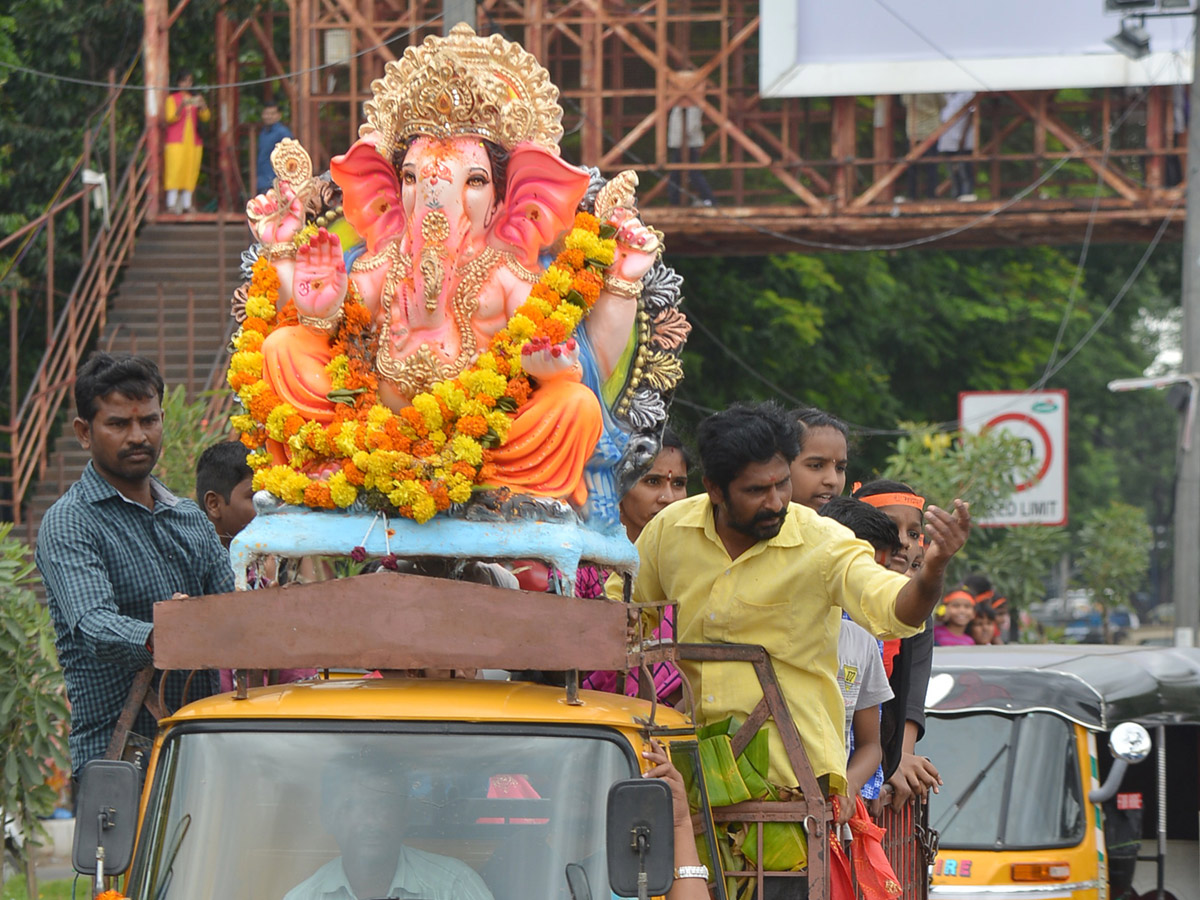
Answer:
(202, 88)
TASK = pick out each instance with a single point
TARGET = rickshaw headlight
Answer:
(1048, 871)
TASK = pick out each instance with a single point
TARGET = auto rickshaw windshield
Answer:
(1011, 782)
(498, 815)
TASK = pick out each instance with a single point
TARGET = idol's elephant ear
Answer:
(543, 193)
(370, 193)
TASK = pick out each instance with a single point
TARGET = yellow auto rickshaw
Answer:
(1043, 797)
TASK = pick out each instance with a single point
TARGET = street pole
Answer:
(1187, 487)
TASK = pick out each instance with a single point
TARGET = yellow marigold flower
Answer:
(437, 438)
(493, 384)
(423, 508)
(361, 458)
(578, 239)
(293, 488)
(258, 459)
(604, 253)
(557, 279)
(466, 449)
(521, 328)
(450, 394)
(248, 340)
(569, 314)
(428, 407)
(472, 408)
(499, 422)
(458, 489)
(246, 361)
(242, 423)
(275, 421)
(342, 491)
(338, 368)
(378, 414)
(260, 307)
(346, 442)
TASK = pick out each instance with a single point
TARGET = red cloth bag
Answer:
(876, 878)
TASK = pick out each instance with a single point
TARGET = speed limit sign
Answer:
(1039, 420)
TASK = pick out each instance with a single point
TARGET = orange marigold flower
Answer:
(252, 440)
(254, 323)
(475, 426)
(588, 222)
(437, 490)
(239, 380)
(545, 293)
(489, 402)
(423, 449)
(465, 469)
(403, 444)
(570, 259)
(353, 473)
(413, 417)
(588, 283)
(356, 315)
(292, 425)
(555, 330)
(262, 405)
(379, 440)
(487, 472)
(289, 315)
(519, 390)
(317, 495)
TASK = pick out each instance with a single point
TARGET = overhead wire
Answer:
(203, 88)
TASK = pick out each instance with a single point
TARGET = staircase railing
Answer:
(32, 421)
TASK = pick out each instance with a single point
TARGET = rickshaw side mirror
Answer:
(641, 838)
(1129, 743)
(106, 811)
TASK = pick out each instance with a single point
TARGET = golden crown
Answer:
(464, 84)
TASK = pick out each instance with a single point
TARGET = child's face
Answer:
(982, 629)
(819, 472)
(230, 517)
(959, 611)
(908, 523)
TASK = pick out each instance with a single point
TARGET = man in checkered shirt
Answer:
(113, 545)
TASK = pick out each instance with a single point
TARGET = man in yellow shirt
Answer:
(746, 566)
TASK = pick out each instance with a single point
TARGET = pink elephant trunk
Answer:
(440, 241)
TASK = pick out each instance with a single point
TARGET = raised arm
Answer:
(947, 533)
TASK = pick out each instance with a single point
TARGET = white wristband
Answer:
(692, 872)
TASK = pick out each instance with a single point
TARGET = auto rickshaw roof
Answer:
(1097, 686)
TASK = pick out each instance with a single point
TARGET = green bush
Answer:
(33, 707)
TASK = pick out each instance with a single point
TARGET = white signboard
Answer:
(817, 48)
(1039, 419)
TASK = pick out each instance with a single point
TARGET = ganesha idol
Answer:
(454, 206)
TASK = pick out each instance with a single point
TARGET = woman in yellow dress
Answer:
(181, 167)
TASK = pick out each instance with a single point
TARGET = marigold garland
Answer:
(420, 460)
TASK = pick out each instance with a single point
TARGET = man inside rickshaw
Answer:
(363, 806)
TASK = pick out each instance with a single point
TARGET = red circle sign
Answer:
(1042, 432)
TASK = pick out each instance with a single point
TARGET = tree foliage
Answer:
(880, 339)
(33, 708)
(1114, 554)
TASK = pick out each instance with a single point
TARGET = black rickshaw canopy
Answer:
(1097, 686)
